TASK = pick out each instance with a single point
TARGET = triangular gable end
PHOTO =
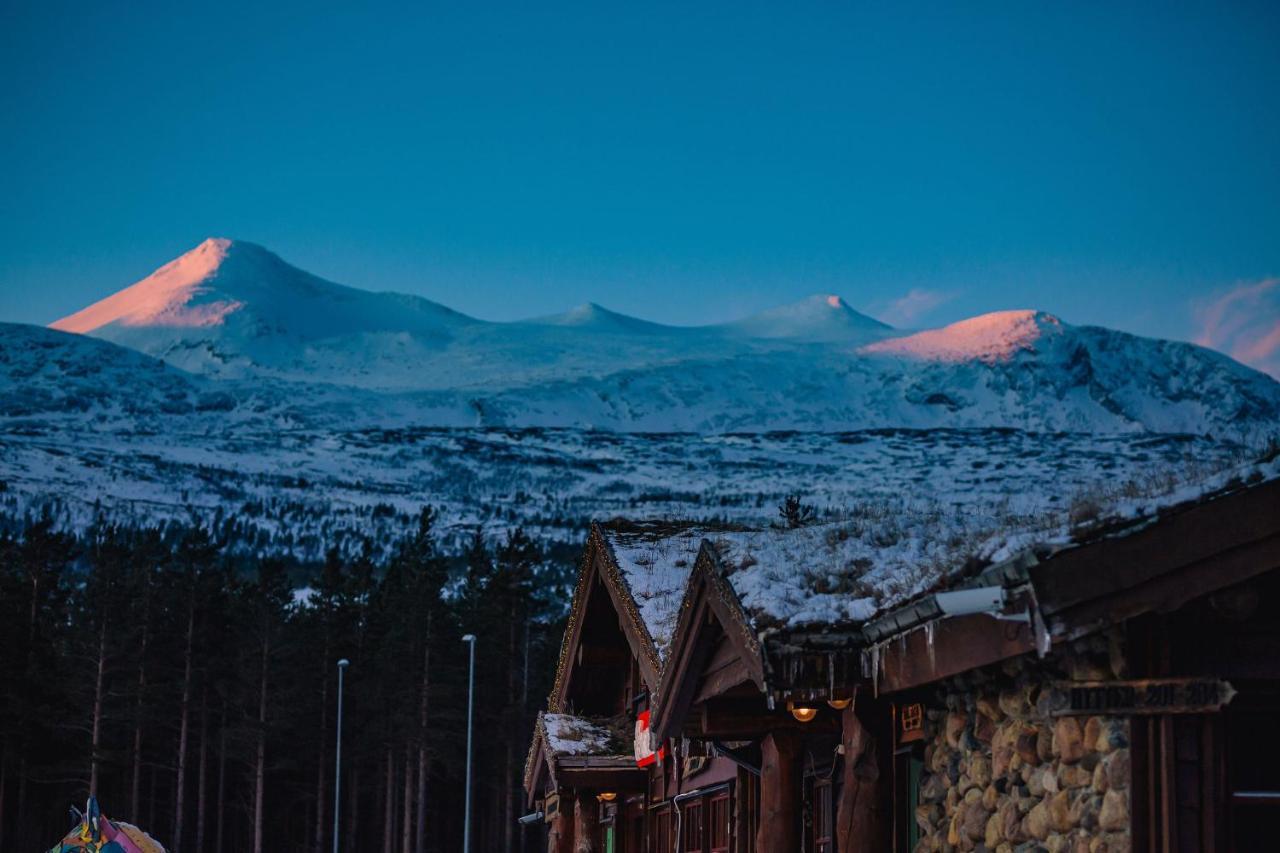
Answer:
(601, 584)
(714, 652)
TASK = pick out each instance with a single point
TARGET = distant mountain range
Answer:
(237, 315)
(233, 388)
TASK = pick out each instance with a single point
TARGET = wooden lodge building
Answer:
(1115, 689)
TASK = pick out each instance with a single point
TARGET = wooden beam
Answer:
(1110, 566)
(780, 792)
(597, 779)
(949, 646)
(560, 833)
(586, 823)
(691, 657)
(722, 680)
(589, 655)
(1172, 590)
(861, 826)
(716, 724)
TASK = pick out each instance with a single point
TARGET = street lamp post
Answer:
(471, 695)
(337, 758)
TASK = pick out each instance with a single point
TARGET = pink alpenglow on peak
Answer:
(988, 338)
(170, 296)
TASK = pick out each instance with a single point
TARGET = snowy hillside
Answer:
(46, 372)
(234, 311)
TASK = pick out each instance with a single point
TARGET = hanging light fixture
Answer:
(839, 704)
(804, 712)
(607, 796)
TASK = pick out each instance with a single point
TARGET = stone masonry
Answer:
(1001, 775)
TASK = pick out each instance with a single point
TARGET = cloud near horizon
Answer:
(911, 306)
(1244, 323)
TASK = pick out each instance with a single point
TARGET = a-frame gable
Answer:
(599, 564)
(713, 650)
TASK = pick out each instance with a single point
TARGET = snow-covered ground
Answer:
(306, 488)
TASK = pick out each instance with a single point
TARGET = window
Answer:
(718, 823)
(822, 841)
(908, 765)
(634, 841)
(692, 821)
(1253, 757)
(661, 838)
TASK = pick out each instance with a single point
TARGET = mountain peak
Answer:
(167, 297)
(820, 318)
(997, 336)
(591, 315)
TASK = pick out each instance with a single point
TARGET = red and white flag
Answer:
(645, 753)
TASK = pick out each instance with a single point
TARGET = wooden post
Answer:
(586, 823)
(860, 823)
(780, 793)
(560, 838)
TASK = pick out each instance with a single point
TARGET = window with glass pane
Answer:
(694, 834)
(822, 842)
(718, 831)
(661, 837)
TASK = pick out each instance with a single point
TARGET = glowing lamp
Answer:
(608, 796)
(839, 704)
(803, 713)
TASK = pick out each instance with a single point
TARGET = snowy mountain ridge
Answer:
(233, 389)
(236, 314)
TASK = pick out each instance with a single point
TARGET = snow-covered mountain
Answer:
(230, 385)
(234, 312)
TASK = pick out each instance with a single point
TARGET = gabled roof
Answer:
(849, 584)
(565, 743)
(643, 568)
(709, 612)
(847, 571)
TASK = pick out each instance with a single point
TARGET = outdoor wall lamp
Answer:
(803, 713)
(607, 796)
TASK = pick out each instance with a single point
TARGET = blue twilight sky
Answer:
(691, 162)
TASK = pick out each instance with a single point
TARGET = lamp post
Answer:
(337, 758)
(471, 695)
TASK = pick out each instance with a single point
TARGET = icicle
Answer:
(1044, 640)
(928, 639)
(875, 670)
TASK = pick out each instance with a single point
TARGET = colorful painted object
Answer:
(94, 833)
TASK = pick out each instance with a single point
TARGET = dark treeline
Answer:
(197, 699)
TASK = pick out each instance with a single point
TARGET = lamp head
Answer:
(344, 663)
(468, 638)
(804, 712)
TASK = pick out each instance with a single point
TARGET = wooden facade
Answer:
(839, 739)
(685, 798)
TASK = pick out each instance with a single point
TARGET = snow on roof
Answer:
(570, 735)
(655, 560)
(884, 552)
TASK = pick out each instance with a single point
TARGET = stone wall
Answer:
(1002, 775)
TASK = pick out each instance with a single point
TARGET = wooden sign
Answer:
(1148, 696)
(911, 723)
